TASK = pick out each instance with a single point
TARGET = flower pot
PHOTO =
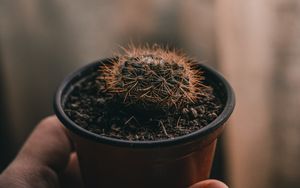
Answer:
(177, 162)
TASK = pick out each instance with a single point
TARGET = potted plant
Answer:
(149, 117)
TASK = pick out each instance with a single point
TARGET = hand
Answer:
(47, 161)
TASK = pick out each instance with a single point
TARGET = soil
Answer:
(105, 115)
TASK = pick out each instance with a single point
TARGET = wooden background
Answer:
(255, 44)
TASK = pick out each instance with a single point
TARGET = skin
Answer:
(50, 162)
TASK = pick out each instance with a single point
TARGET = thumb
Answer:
(43, 157)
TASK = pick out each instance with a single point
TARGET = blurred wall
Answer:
(6, 153)
(259, 46)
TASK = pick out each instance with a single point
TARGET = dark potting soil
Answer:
(104, 115)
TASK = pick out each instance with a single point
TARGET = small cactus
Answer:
(153, 76)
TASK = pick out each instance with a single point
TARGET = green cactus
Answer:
(153, 76)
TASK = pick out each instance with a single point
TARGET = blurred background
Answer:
(254, 44)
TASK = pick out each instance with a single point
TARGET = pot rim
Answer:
(71, 125)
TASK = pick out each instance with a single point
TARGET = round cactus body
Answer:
(153, 76)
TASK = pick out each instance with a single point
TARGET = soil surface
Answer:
(105, 115)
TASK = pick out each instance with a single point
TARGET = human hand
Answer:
(47, 161)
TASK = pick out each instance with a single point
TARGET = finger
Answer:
(44, 155)
(71, 176)
(209, 184)
(48, 145)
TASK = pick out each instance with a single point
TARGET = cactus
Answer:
(153, 76)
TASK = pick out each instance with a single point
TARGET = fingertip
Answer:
(209, 184)
(50, 122)
(53, 124)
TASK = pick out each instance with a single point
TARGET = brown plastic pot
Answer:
(178, 162)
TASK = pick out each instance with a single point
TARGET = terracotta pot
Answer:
(178, 162)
